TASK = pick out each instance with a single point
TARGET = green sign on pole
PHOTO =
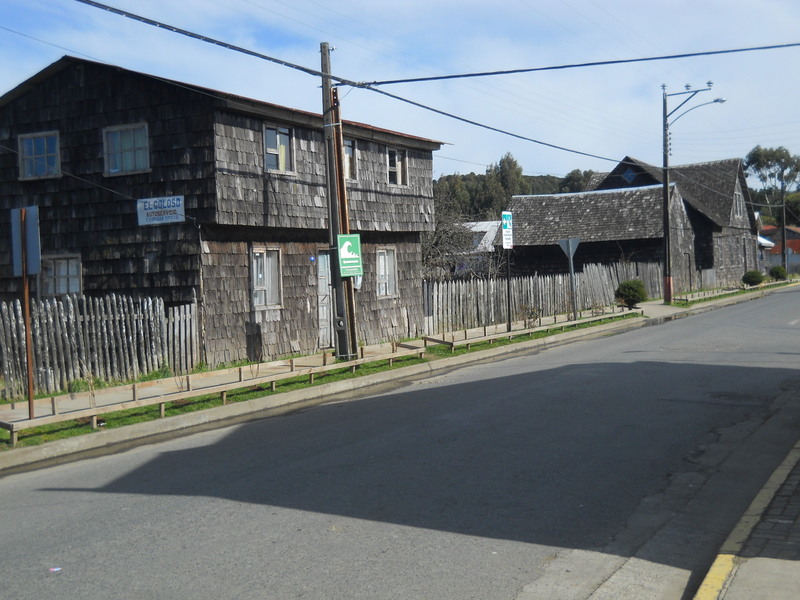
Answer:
(350, 264)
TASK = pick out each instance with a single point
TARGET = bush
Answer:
(753, 278)
(778, 273)
(631, 292)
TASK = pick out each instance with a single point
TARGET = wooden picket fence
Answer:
(110, 338)
(453, 305)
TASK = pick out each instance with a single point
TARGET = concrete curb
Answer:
(106, 440)
(723, 569)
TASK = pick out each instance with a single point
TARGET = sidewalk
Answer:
(758, 561)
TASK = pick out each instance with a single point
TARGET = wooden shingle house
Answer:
(712, 224)
(85, 142)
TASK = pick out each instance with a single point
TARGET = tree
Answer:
(575, 181)
(777, 170)
(503, 180)
(450, 239)
(793, 208)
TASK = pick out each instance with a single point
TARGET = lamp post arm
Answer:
(715, 101)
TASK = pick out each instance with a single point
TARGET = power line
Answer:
(340, 80)
(577, 65)
(215, 42)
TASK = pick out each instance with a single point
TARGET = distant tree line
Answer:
(473, 197)
(482, 197)
(778, 170)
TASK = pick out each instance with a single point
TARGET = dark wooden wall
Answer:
(213, 155)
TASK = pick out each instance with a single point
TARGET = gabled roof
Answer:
(227, 100)
(599, 216)
(707, 187)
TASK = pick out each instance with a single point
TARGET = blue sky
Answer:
(610, 111)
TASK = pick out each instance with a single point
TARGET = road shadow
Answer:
(559, 457)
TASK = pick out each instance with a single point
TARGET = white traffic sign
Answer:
(508, 230)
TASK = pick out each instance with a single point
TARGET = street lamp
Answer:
(690, 93)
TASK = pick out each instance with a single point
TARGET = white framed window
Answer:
(386, 272)
(266, 277)
(60, 275)
(126, 149)
(350, 160)
(39, 155)
(278, 148)
(396, 160)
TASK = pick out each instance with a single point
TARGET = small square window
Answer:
(386, 272)
(266, 277)
(60, 275)
(39, 155)
(278, 153)
(126, 149)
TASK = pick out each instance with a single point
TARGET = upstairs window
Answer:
(738, 204)
(60, 275)
(350, 164)
(397, 166)
(278, 152)
(39, 155)
(126, 149)
(266, 278)
(387, 272)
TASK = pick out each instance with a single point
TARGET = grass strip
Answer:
(67, 429)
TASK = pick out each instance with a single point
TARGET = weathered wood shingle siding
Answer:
(93, 215)
(386, 318)
(249, 196)
(208, 146)
(375, 205)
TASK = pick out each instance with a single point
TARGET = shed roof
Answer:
(598, 216)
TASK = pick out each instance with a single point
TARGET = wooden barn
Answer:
(86, 143)
(713, 232)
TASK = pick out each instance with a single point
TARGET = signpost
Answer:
(508, 244)
(27, 260)
(569, 246)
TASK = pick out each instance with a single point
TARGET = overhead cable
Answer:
(340, 80)
(578, 65)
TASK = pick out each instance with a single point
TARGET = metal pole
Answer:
(572, 288)
(26, 301)
(784, 254)
(665, 177)
(508, 287)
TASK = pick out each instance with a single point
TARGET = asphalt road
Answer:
(607, 468)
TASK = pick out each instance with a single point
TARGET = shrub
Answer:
(753, 278)
(631, 292)
(778, 273)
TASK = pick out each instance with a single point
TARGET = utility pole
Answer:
(340, 319)
(344, 218)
